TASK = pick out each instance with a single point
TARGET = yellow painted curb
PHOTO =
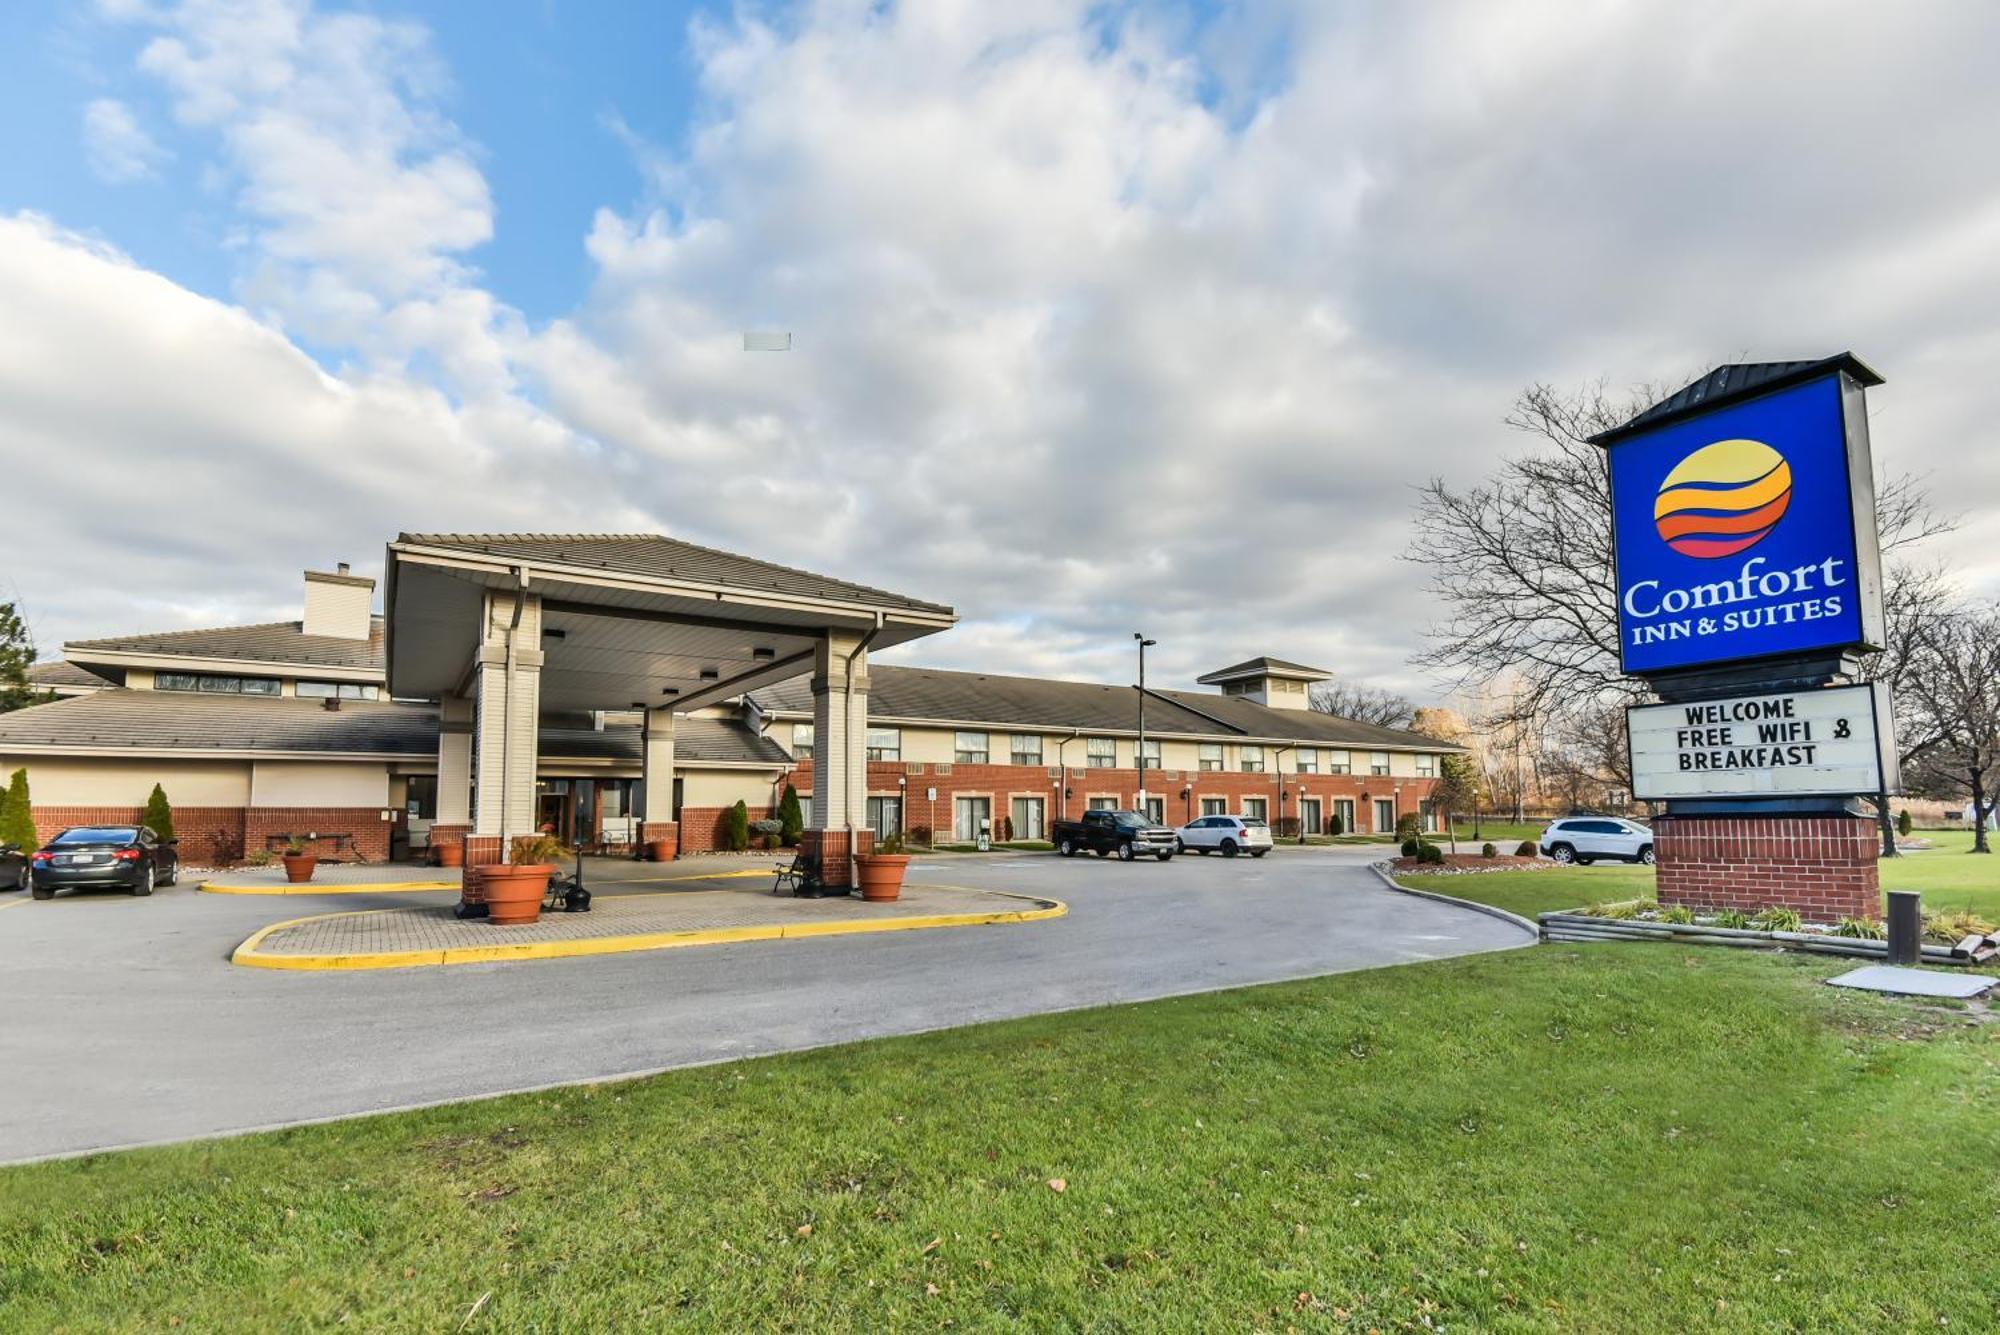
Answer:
(308, 888)
(250, 957)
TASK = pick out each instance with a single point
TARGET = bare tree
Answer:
(1523, 561)
(1363, 704)
(1952, 681)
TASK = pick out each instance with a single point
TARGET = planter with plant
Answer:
(450, 853)
(663, 847)
(514, 889)
(881, 872)
(299, 860)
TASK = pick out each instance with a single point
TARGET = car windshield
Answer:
(97, 834)
(1130, 820)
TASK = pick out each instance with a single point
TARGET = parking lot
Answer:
(127, 1024)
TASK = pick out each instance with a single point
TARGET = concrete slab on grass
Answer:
(1914, 982)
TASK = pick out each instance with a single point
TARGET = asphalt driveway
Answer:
(126, 1024)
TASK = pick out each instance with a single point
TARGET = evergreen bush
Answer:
(1429, 852)
(1488, 851)
(1409, 825)
(1904, 825)
(739, 827)
(1336, 827)
(1409, 848)
(17, 814)
(1527, 849)
(159, 817)
(791, 817)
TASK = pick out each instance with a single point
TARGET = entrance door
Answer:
(885, 816)
(969, 816)
(1309, 815)
(1343, 811)
(1027, 815)
(1156, 810)
(1385, 815)
(552, 807)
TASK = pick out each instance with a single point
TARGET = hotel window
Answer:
(1253, 759)
(1211, 755)
(1025, 748)
(1102, 804)
(1427, 766)
(1150, 759)
(1100, 752)
(1253, 808)
(802, 741)
(1378, 763)
(1340, 762)
(885, 743)
(336, 690)
(1215, 806)
(970, 748)
(208, 684)
(1308, 760)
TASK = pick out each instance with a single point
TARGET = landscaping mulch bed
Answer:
(1464, 864)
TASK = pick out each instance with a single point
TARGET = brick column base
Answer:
(836, 868)
(483, 850)
(1822, 866)
(659, 829)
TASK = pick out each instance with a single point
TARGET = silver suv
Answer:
(1584, 839)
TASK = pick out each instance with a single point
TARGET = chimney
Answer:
(338, 605)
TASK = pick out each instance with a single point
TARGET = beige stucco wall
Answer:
(337, 607)
(725, 787)
(318, 783)
(87, 781)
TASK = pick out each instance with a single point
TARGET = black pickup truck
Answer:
(1126, 833)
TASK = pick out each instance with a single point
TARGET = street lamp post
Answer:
(1144, 644)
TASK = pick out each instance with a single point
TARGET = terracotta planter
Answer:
(514, 892)
(662, 850)
(451, 855)
(881, 875)
(299, 866)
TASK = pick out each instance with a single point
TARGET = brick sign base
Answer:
(1823, 866)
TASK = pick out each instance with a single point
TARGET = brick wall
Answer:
(224, 834)
(1822, 866)
(704, 830)
(206, 834)
(1002, 783)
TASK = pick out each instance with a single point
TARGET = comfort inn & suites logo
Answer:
(1724, 498)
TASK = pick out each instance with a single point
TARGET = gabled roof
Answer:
(276, 643)
(56, 673)
(1264, 667)
(936, 695)
(656, 556)
(184, 721)
(1735, 381)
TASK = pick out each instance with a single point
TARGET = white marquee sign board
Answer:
(1834, 742)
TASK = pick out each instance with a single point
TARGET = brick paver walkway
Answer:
(742, 914)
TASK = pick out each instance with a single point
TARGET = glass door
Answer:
(1309, 815)
(1343, 811)
(1028, 818)
(885, 816)
(969, 816)
(1385, 815)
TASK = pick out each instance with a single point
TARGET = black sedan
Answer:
(13, 868)
(109, 857)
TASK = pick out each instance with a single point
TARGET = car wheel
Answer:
(1179, 847)
(145, 886)
(1584, 862)
(1101, 852)
(1562, 853)
(1163, 857)
(1066, 848)
(1229, 848)
(25, 880)
(173, 875)
(40, 893)
(1646, 855)
(1258, 852)
(1125, 852)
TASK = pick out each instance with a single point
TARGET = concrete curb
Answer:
(250, 957)
(1531, 928)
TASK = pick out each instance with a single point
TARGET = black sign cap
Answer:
(1735, 381)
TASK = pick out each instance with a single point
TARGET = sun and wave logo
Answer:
(1724, 498)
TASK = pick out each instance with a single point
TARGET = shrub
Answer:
(737, 827)
(1409, 826)
(920, 835)
(1410, 847)
(1777, 918)
(1951, 928)
(1904, 825)
(17, 814)
(1488, 851)
(1678, 914)
(791, 817)
(159, 817)
(889, 844)
(768, 825)
(1285, 827)
(533, 849)
(1003, 830)
(1430, 853)
(1866, 929)
(1335, 826)
(1736, 918)
(1526, 849)
(1628, 909)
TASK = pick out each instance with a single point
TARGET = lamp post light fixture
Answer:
(1144, 644)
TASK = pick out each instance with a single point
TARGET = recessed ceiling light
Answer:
(764, 653)
(710, 674)
(670, 690)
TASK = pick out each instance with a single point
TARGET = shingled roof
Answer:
(57, 673)
(656, 556)
(935, 695)
(276, 643)
(1734, 381)
(1266, 666)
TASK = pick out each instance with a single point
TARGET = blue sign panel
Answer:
(1736, 534)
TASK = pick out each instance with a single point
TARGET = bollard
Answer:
(1906, 926)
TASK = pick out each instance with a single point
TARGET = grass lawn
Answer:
(1951, 877)
(1579, 1138)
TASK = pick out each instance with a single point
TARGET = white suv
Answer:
(1587, 838)
(1228, 835)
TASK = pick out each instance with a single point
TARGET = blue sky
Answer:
(1105, 315)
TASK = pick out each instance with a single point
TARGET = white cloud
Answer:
(1099, 326)
(116, 145)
